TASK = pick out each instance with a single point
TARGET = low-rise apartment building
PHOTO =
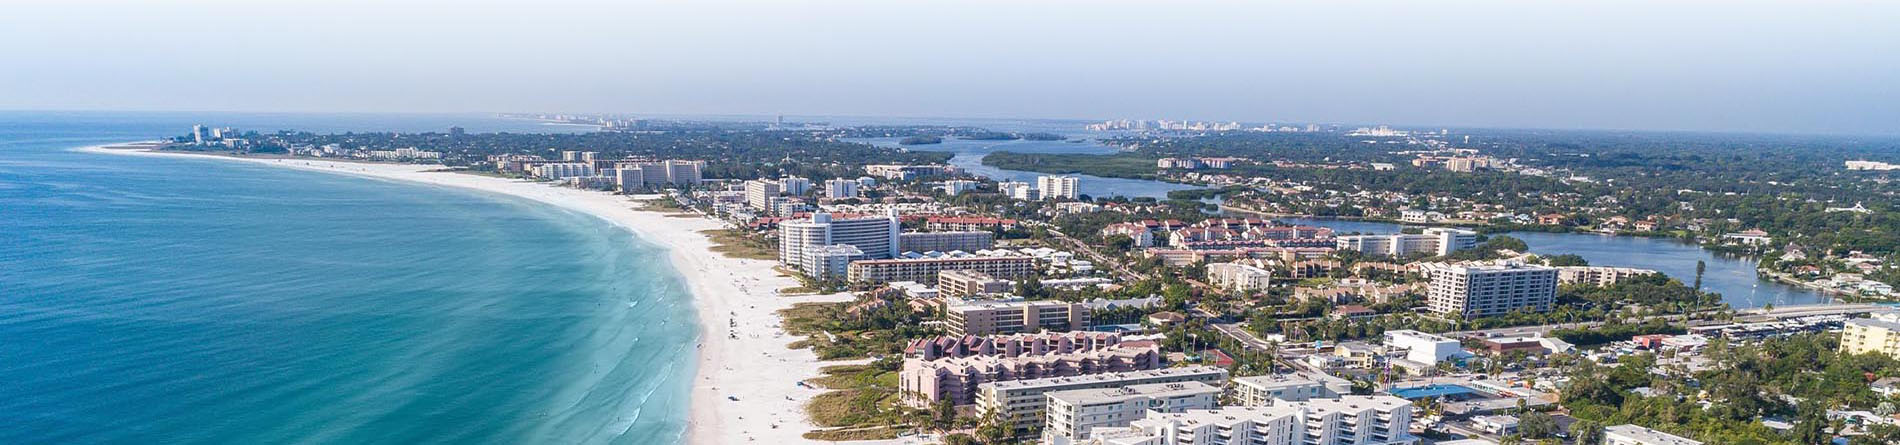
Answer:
(1263, 390)
(1073, 413)
(925, 270)
(1348, 420)
(987, 317)
(1635, 435)
(1238, 277)
(1880, 335)
(955, 380)
(1023, 402)
(965, 283)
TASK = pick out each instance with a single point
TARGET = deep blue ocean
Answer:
(157, 300)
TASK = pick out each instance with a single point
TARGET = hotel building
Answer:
(1487, 290)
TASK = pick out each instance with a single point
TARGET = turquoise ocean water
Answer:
(148, 300)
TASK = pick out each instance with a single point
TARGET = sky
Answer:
(1757, 66)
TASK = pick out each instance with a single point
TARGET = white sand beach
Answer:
(754, 366)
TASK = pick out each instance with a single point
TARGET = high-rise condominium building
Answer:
(1058, 187)
(1487, 290)
(759, 193)
(841, 188)
(874, 237)
(1436, 241)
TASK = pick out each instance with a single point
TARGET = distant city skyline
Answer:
(1766, 67)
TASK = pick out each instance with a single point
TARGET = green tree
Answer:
(1700, 268)
(1536, 425)
(1587, 432)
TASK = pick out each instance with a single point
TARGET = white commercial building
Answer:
(1635, 435)
(1421, 347)
(1487, 290)
(1073, 413)
(1058, 187)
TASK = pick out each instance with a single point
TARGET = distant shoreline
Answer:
(756, 367)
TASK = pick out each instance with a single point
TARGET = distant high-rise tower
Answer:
(198, 134)
(1058, 187)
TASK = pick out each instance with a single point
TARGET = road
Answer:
(1099, 259)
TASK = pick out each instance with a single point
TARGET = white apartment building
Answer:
(1436, 241)
(841, 188)
(759, 193)
(1021, 191)
(1073, 413)
(1635, 435)
(955, 186)
(831, 262)
(637, 175)
(989, 317)
(1264, 390)
(967, 241)
(1238, 277)
(874, 237)
(1058, 187)
(564, 170)
(1348, 420)
(1486, 290)
(1022, 402)
(1598, 275)
(794, 186)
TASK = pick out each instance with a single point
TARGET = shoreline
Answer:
(769, 407)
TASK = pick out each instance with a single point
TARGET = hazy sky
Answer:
(1786, 66)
